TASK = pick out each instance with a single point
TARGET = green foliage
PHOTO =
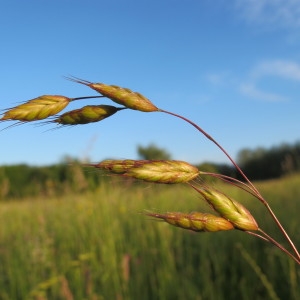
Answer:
(264, 163)
(153, 152)
(97, 246)
(19, 181)
(64, 258)
(261, 163)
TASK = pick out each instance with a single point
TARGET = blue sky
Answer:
(233, 67)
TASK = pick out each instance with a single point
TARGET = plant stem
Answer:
(251, 185)
(86, 97)
(233, 181)
(219, 146)
(274, 242)
(282, 230)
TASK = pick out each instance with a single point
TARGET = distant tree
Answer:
(277, 161)
(152, 152)
(246, 155)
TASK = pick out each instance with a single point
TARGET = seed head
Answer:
(37, 109)
(195, 221)
(164, 171)
(159, 171)
(123, 96)
(87, 114)
(229, 209)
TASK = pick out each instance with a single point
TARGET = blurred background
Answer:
(72, 232)
(233, 67)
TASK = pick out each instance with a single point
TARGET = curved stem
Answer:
(87, 97)
(282, 230)
(274, 242)
(220, 147)
(251, 185)
(233, 181)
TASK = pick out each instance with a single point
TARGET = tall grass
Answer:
(95, 247)
(99, 246)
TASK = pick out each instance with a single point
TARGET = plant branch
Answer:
(221, 148)
(274, 242)
(87, 97)
(251, 185)
(233, 181)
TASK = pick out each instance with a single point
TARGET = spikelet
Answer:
(123, 96)
(195, 221)
(159, 171)
(229, 209)
(37, 109)
(116, 166)
(164, 171)
(87, 114)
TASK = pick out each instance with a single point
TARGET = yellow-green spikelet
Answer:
(87, 114)
(158, 171)
(196, 221)
(37, 108)
(123, 96)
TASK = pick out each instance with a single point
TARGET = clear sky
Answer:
(233, 67)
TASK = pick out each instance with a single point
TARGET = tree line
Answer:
(262, 163)
(19, 181)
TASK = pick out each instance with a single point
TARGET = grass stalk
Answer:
(256, 193)
(263, 278)
(157, 171)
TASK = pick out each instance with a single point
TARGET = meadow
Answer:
(99, 245)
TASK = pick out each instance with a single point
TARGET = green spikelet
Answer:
(164, 171)
(37, 109)
(195, 221)
(87, 114)
(115, 166)
(123, 96)
(159, 171)
(229, 209)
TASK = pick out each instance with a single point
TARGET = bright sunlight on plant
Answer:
(231, 214)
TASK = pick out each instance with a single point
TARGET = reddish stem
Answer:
(253, 188)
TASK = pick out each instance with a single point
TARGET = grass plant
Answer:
(98, 246)
(227, 210)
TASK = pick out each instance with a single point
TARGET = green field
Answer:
(99, 246)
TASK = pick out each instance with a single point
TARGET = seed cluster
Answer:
(37, 109)
(195, 221)
(230, 209)
(232, 213)
(158, 171)
(87, 114)
(123, 96)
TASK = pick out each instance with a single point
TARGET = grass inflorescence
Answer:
(231, 214)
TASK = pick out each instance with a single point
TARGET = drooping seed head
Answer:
(87, 114)
(195, 221)
(37, 109)
(229, 209)
(123, 96)
(159, 171)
